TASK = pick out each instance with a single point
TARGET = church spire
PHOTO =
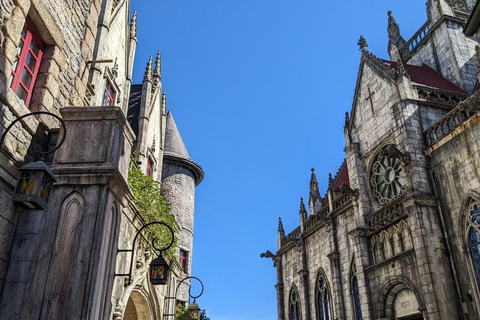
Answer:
(148, 71)
(281, 233)
(395, 40)
(314, 200)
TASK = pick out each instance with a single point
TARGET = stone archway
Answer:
(399, 301)
(406, 306)
(137, 307)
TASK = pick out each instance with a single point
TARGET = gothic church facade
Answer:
(397, 236)
(77, 258)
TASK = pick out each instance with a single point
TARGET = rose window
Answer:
(387, 177)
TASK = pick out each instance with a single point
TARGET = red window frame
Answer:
(109, 94)
(184, 260)
(150, 167)
(27, 63)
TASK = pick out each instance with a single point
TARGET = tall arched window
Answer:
(355, 292)
(473, 219)
(323, 298)
(294, 305)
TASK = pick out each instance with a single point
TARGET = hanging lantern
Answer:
(159, 271)
(33, 186)
(193, 311)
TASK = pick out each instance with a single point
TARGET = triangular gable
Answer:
(371, 60)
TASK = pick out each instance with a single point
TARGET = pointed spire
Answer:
(133, 26)
(148, 71)
(173, 141)
(157, 73)
(302, 206)
(393, 28)
(330, 181)
(280, 226)
(395, 40)
(362, 43)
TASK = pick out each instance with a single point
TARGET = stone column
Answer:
(69, 266)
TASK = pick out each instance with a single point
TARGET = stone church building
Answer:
(397, 235)
(76, 257)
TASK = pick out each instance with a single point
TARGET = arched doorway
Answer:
(406, 306)
(400, 301)
(137, 307)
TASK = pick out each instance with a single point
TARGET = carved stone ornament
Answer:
(473, 217)
(387, 177)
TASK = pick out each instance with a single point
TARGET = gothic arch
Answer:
(138, 307)
(294, 306)
(470, 230)
(354, 291)
(323, 297)
(106, 264)
(390, 291)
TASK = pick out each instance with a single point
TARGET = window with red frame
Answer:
(109, 94)
(184, 260)
(27, 63)
(150, 167)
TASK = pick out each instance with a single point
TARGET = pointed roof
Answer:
(175, 151)
(173, 141)
(427, 76)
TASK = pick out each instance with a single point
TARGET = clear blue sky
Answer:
(259, 90)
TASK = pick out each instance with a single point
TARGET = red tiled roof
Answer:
(427, 76)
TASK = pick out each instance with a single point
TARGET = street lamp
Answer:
(193, 309)
(36, 179)
(159, 269)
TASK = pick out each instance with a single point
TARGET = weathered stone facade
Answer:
(395, 237)
(70, 261)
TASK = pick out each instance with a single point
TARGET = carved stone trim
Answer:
(357, 233)
(333, 256)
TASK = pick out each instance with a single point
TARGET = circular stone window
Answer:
(387, 177)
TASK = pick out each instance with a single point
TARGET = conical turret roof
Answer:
(173, 141)
(175, 151)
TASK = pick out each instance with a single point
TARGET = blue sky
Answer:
(258, 90)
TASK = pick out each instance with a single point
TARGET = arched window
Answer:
(355, 292)
(473, 219)
(294, 305)
(323, 298)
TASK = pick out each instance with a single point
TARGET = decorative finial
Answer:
(133, 26)
(362, 43)
(389, 13)
(280, 224)
(330, 180)
(313, 170)
(401, 68)
(148, 71)
(158, 65)
(347, 118)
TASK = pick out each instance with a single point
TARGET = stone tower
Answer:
(180, 175)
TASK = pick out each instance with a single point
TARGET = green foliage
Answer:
(152, 206)
(182, 313)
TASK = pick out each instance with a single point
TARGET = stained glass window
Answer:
(356, 294)
(294, 305)
(323, 299)
(474, 239)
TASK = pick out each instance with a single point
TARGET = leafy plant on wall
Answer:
(152, 206)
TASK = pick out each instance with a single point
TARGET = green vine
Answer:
(152, 206)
